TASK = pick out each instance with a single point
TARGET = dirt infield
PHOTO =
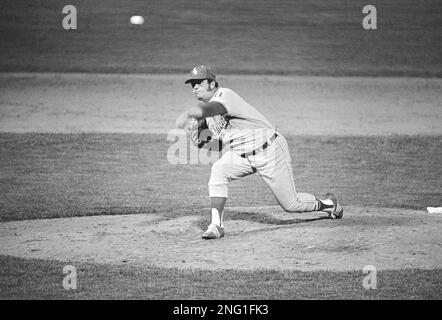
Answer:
(385, 238)
(72, 103)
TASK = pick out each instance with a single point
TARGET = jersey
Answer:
(243, 127)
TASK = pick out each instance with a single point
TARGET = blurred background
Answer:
(309, 37)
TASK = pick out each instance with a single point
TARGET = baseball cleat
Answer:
(337, 211)
(213, 232)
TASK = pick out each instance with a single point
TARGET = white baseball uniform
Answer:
(244, 129)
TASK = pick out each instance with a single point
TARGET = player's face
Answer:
(201, 89)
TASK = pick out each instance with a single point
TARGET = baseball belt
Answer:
(264, 146)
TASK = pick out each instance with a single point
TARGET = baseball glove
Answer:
(201, 136)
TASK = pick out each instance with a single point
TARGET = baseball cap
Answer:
(201, 72)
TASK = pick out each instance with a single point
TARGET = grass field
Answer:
(59, 175)
(264, 37)
(42, 279)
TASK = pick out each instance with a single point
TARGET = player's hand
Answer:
(181, 121)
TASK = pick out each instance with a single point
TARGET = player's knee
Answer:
(218, 175)
(218, 181)
(294, 206)
(218, 190)
(217, 187)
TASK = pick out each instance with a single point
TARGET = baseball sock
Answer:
(324, 204)
(217, 218)
(217, 204)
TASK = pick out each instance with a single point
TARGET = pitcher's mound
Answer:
(256, 238)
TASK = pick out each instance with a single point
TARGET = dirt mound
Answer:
(256, 238)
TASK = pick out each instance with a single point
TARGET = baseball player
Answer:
(251, 145)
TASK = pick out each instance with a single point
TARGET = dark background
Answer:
(270, 37)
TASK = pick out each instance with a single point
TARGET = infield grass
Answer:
(42, 279)
(65, 175)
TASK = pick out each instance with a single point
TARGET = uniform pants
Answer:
(273, 164)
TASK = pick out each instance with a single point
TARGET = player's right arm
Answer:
(212, 108)
(202, 111)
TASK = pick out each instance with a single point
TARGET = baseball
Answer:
(137, 20)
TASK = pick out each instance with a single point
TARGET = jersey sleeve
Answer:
(227, 98)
